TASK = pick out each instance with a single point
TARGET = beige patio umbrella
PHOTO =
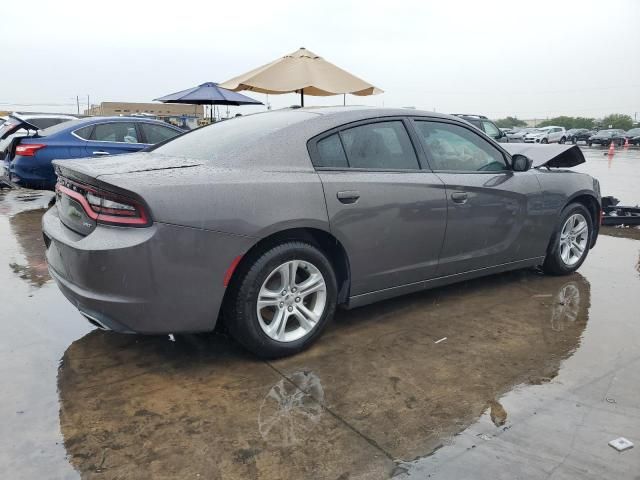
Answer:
(302, 71)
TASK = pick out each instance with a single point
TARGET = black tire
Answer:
(553, 263)
(574, 141)
(544, 140)
(239, 310)
(563, 140)
(590, 144)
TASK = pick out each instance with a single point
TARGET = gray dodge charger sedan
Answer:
(269, 221)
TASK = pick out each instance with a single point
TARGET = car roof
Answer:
(90, 120)
(326, 118)
(31, 116)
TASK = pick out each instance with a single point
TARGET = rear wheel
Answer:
(570, 242)
(563, 140)
(281, 302)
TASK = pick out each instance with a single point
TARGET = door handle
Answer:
(459, 197)
(348, 196)
(101, 152)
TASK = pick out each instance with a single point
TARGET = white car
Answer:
(546, 135)
(18, 125)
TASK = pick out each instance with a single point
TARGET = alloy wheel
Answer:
(574, 237)
(291, 301)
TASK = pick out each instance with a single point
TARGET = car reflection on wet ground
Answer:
(535, 376)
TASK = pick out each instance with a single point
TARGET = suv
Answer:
(487, 126)
(576, 135)
(547, 135)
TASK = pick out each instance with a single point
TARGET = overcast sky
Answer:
(531, 59)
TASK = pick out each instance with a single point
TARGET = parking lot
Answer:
(518, 375)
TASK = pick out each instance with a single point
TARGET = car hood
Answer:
(120, 164)
(560, 156)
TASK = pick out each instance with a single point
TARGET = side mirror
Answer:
(521, 163)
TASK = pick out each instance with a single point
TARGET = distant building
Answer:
(156, 109)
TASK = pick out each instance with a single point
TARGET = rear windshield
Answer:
(61, 126)
(207, 143)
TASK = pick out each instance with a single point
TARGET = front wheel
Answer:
(570, 241)
(544, 140)
(281, 300)
(563, 140)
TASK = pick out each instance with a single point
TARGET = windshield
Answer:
(213, 141)
(607, 133)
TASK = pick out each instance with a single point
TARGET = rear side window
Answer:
(330, 153)
(84, 133)
(157, 133)
(383, 145)
(122, 132)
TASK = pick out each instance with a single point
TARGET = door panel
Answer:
(393, 230)
(491, 210)
(498, 223)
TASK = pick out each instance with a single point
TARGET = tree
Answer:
(617, 120)
(584, 122)
(510, 122)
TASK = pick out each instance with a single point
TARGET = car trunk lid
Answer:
(122, 164)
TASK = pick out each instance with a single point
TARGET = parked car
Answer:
(576, 135)
(19, 125)
(634, 136)
(518, 134)
(485, 125)
(547, 135)
(28, 160)
(608, 136)
(275, 218)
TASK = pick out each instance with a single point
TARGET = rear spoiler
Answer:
(557, 156)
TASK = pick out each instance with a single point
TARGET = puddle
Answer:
(375, 397)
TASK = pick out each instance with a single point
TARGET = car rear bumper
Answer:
(153, 280)
(32, 176)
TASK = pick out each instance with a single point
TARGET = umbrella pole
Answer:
(302, 97)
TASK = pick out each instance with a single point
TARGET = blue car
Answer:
(28, 161)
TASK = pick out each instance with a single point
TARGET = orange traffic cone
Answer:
(612, 149)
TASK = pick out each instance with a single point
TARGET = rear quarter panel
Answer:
(243, 201)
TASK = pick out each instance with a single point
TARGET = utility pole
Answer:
(78, 103)
(88, 106)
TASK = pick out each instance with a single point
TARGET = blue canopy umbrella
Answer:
(208, 93)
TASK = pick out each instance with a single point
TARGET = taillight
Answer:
(105, 207)
(28, 149)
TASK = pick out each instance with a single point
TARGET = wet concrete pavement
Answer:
(535, 376)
